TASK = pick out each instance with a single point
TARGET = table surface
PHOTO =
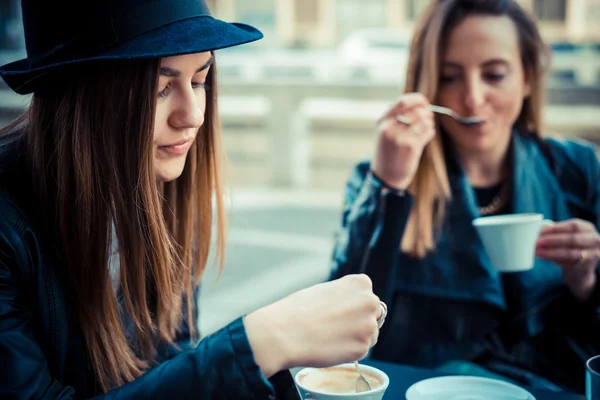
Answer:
(403, 376)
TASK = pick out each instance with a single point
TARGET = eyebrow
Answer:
(488, 63)
(166, 71)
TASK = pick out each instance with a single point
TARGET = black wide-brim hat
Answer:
(112, 30)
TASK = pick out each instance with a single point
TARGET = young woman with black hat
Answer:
(106, 184)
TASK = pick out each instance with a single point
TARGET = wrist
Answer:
(267, 341)
(395, 187)
(585, 290)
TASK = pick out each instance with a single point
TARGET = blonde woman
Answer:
(407, 213)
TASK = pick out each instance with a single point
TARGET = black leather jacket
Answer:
(452, 305)
(42, 352)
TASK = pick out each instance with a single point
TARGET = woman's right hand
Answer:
(399, 146)
(326, 324)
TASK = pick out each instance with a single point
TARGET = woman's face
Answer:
(482, 76)
(179, 111)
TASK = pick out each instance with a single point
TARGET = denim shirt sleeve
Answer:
(358, 242)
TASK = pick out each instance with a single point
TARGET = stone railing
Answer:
(302, 134)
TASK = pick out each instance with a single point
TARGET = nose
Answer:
(188, 111)
(474, 93)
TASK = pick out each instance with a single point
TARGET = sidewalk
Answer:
(279, 242)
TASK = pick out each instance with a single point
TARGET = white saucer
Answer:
(466, 388)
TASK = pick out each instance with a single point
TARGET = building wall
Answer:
(324, 23)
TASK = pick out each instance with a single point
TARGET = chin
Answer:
(168, 175)
(167, 170)
(478, 142)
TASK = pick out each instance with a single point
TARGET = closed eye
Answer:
(494, 77)
(165, 92)
(447, 79)
(200, 85)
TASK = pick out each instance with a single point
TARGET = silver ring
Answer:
(384, 311)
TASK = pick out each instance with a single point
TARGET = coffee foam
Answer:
(338, 380)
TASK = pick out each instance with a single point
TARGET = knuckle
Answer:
(371, 307)
(385, 128)
(420, 97)
(573, 240)
(374, 302)
(374, 327)
(361, 281)
(367, 333)
(401, 142)
(364, 280)
(576, 225)
(359, 352)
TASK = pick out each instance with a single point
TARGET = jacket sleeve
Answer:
(373, 222)
(577, 168)
(221, 366)
(578, 172)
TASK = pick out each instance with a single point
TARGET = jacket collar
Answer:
(534, 184)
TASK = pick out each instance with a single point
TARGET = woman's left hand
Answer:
(574, 245)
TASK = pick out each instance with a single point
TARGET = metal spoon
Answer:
(362, 384)
(453, 114)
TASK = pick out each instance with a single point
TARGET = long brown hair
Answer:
(90, 147)
(430, 185)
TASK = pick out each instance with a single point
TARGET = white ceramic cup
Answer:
(375, 394)
(509, 240)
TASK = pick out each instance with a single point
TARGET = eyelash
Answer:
(195, 85)
(489, 76)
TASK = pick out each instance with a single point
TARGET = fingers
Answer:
(569, 242)
(374, 338)
(565, 256)
(419, 126)
(569, 226)
(362, 281)
(577, 241)
(406, 103)
(424, 125)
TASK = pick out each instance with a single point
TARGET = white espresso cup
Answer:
(509, 240)
(339, 382)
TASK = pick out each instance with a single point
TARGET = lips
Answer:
(177, 148)
(180, 143)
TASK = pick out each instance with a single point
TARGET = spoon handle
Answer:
(440, 109)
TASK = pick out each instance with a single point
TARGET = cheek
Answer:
(448, 98)
(507, 104)
(201, 101)
(160, 121)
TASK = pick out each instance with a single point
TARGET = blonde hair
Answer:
(431, 186)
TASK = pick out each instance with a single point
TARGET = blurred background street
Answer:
(298, 111)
